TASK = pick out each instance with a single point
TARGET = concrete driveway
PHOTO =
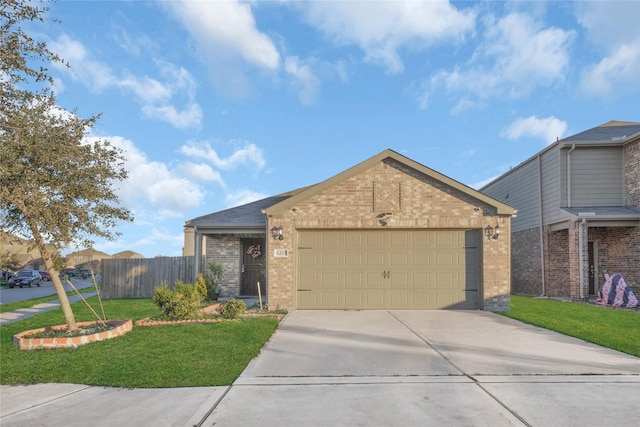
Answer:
(417, 368)
(375, 368)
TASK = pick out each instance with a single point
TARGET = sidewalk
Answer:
(23, 313)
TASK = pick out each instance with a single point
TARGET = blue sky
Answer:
(220, 103)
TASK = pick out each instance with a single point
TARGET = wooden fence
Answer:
(138, 277)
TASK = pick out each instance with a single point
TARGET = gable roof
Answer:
(277, 208)
(246, 216)
(611, 133)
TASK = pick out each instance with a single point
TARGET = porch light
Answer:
(276, 233)
(488, 231)
(492, 232)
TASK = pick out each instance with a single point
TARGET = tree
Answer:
(56, 186)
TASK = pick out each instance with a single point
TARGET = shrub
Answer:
(181, 303)
(201, 287)
(232, 309)
(211, 278)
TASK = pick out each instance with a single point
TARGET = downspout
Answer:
(197, 250)
(583, 221)
(573, 147)
(540, 218)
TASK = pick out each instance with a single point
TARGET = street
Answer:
(8, 295)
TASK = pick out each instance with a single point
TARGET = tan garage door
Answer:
(398, 269)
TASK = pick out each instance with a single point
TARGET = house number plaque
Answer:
(281, 253)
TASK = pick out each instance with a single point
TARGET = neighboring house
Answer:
(388, 233)
(127, 255)
(86, 258)
(26, 253)
(578, 203)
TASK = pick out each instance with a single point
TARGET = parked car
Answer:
(83, 273)
(46, 277)
(25, 278)
(67, 272)
(5, 274)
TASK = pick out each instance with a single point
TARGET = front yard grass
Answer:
(184, 355)
(615, 328)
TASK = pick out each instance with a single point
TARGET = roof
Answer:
(247, 216)
(610, 133)
(252, 215)
(127, 255)
(278, 208)
(607, 213)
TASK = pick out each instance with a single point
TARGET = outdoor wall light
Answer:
(492, 232)
(276, 233)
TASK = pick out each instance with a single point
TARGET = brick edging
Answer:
(123, 326)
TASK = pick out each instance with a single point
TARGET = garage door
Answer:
(398, 269)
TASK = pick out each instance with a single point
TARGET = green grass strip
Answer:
(615, 328)
(209, 354)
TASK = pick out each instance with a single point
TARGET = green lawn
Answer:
(614, 328)
(210, 354)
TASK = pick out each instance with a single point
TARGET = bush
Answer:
(181, 303)
(211, 279)
(201, 287)
(232, 309)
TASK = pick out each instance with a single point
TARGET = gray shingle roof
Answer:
(605, 133)
(248, 215)
(606, 212)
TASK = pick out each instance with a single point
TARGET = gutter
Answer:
(541, 218)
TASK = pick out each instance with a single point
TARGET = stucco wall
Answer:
(415, 201)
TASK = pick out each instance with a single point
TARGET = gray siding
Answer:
(596, 177)
(552, 170)
(519, 189)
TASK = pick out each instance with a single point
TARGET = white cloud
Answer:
(157, 97)
(249, 155)
(381, 29)
(478, 185)
(616, 74)
(151, 186)
(227, 29)
(612, 27)
(93, 74)
(190, 117)
(516, 56)
(304, 80)
(202, 172)
(548, 129)
(242, 197)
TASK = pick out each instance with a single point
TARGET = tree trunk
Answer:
(57, 284)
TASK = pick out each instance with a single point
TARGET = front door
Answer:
(253, 267)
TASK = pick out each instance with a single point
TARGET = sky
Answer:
(219, 103)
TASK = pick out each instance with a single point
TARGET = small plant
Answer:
(181, 303)
(212, 278)
(232, 309)
(201, 287)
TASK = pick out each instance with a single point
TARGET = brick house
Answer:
(388, 233)
(578, 203)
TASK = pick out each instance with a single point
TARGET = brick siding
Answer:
(526, 268)
(416, 201)
(631, 155)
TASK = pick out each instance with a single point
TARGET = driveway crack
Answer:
(425, 339)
